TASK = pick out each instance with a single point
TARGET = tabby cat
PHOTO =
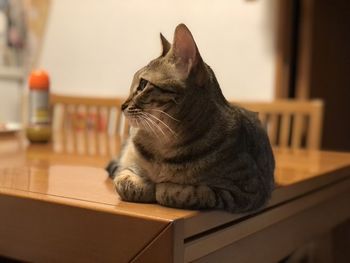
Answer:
(190, 148)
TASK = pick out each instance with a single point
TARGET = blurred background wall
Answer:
(94, 47)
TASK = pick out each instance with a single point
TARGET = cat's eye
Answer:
(142, 85)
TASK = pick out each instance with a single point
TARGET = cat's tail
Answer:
(111, 168)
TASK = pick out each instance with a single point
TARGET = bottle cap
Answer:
(39, 80)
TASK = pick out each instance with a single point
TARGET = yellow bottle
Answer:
(39, 122)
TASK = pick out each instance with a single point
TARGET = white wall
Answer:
(93, 47)
(10, 100)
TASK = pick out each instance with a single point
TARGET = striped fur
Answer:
(190, 148)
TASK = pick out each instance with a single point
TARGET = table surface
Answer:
(49, 173)
(56, 186)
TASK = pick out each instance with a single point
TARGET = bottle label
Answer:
(39, 109)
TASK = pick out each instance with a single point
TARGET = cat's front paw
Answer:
(134, 188)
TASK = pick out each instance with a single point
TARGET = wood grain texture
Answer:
(43, 182)
(159, 250)
(36, 231)
(37, 170)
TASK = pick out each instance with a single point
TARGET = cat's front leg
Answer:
(186, 196)
(134, 188)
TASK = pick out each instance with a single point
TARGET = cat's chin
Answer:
(134, 123)
(137, 125)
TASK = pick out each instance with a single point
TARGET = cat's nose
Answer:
(124, 106)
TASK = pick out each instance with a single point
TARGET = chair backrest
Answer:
(290, 123)
(86, 116)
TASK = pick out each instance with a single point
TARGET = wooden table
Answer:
(61, 207)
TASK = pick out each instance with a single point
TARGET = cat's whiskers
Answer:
(150, 125)
(159, 120)
(144, 120)
(146, 117)
(136, 114)
(132, 119)
(171, 117)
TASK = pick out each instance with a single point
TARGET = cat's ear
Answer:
(186, 54)
(184, 48)
(165, 45)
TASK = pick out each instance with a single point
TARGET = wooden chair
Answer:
(89, 117)
(290, 123)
